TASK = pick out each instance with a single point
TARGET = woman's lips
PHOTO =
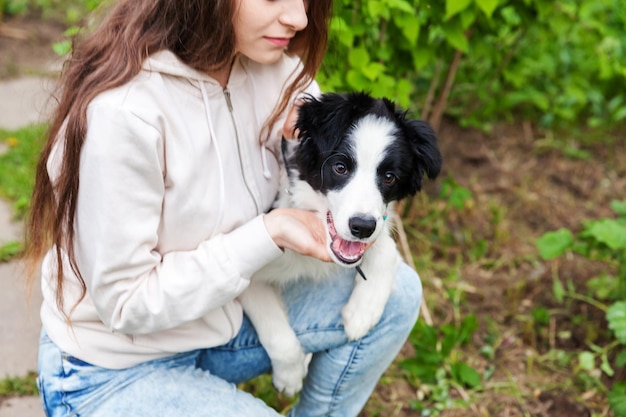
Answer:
(280, 42)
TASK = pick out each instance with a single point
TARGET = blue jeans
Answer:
(342, 374)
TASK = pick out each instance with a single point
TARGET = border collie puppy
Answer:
(354, 157)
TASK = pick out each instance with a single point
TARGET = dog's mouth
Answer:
(346, 251)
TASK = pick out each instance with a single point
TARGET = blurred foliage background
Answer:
(557, 62)
(560, 63)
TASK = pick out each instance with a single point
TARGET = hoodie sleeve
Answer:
(134, 287)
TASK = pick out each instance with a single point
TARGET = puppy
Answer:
(354, 157)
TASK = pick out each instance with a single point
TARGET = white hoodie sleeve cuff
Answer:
(250, 254)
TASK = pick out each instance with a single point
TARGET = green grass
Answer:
(262, 388)
(17, 165)
(17, 175)
(16, 386)
(10, 250)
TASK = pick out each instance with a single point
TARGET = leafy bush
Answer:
(13, 7)
(485, 60)
(560, 63)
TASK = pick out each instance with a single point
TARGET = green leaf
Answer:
(373, 70)
(73, 14)
(604, 286)
(468, 17)
(619, 207)
(62, 48)
(609, 232)
(342, 31)
(458, 196)
(422, 57)
(456, 6)
(72, 31)
(409, 26)
(378, 9)
(487, 6)
(465, 374)
(424, 337)
(358, 57)
(449, 340)
(541, 315)
(617, 399)
(558, 290)
(424, 371)
(605, 366)
(16, 7)
(383, 87)
(616, 317)
(357, 81)
(586, 360)
(404, 89)
(468, 327)
(455, 36)
(619, 114)
(554, 244)
(402, 5)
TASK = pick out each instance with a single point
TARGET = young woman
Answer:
(150, 216)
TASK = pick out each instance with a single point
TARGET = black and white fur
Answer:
(354, 157)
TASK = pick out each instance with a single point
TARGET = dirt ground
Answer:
(517, 172)
(26, 46)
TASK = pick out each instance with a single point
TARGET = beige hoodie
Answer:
(169, 227)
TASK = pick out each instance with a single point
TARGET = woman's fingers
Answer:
(289, 128)
(299, 230)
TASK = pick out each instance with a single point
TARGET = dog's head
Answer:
(354, 156)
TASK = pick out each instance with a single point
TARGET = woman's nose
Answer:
(294, 14)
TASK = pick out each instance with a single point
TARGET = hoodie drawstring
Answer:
(222, 199)
(266, 171)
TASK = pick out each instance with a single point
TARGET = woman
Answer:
(149, 216)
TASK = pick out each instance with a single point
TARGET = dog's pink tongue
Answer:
(347, 249)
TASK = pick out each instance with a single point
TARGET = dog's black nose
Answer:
(362, 226)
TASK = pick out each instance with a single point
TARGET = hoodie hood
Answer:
(167, 63)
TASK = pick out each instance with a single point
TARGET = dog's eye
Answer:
(389, 178)
(341, 168)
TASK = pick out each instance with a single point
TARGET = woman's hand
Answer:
(299, 230)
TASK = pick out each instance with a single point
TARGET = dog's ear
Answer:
(324, 118)
(426, 154)
(329, 116)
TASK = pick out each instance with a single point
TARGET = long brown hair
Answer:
(199, 32)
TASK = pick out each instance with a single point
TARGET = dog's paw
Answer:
(287, 375)
(359, 319)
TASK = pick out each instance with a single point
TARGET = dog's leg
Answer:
(368, 299)
(263, 305)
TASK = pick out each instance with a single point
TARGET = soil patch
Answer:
(26, 46)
